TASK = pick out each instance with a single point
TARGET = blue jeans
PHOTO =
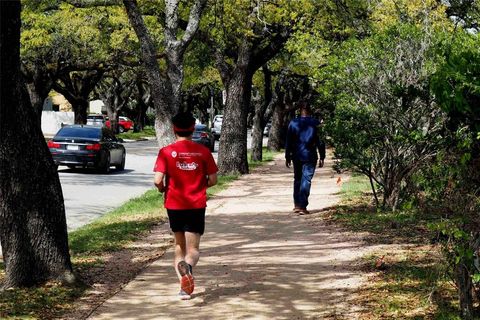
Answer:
(303, 174)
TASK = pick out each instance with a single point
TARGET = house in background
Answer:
(57, 112)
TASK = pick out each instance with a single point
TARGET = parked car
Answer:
(87, 146)
(124, 124)
(204, 136)
(266, 131)
(96, 120)
(217, 126)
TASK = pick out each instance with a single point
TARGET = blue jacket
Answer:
(302, 140)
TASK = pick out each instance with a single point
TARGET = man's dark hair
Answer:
(303, 104)
(183, 124)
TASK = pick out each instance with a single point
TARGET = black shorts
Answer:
(188, 220)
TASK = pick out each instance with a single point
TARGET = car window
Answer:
(79, 132)
(200, 127)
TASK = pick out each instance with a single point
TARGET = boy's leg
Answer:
(184, 268)
(180, 250)
(192, 248)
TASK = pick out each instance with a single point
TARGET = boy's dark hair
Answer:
(183, 124)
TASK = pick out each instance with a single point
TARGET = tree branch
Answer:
(193, 22)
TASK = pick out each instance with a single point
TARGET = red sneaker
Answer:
(186, 283)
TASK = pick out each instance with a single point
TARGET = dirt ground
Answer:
(258, 260)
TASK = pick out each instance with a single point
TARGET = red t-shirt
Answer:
(186, 165)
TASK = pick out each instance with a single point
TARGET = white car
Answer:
(217, 126)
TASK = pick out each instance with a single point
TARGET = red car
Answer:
(124, 124)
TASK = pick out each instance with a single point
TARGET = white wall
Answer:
(95, 106)
(52, 121)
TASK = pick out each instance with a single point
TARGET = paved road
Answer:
(88, 194)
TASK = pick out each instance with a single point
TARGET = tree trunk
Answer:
(159, 88)
(464, 284)
(143, 99)
(112, 114)
(77, 89)
(257, 134)
(259, 120)
(232, 156)
(165, 93)
(275, 141)
(36, 100)
(33, 230)
(39, 85)
(80, 108)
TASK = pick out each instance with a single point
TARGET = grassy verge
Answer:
(112, 232)
(147, 132)
(413, 285)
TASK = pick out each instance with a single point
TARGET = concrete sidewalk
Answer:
(258, 259)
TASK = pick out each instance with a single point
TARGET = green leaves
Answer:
(457, 82)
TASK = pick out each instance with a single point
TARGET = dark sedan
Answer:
(87, 146)
(204, 136)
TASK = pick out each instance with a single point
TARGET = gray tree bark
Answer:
(33, 230)
(464, 284)
(232, 157)
(275, 141)
(39, 83)
(260, 119)
(115, 93)
(165, 90)
(237, 79)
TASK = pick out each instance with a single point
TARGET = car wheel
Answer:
(121, 129)
(121, 166)
(71, 167)
(105, 167)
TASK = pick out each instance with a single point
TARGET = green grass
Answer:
(267, 155)
(414, 285)
(113, 231)
(120, 226)
(146, 133)
(356, 186)
(45, 302)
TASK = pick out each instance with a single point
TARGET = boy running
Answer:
(184, 170)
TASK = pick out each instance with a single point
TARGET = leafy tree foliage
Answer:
(245, 36)
(452, 183)
(388, 123)
(116, 90)
(70, 48)
(165, 87)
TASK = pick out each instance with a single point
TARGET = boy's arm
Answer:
(211, 180)
(158, 181)
(288, 147)
(321, 150)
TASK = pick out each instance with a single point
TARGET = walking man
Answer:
(184, 170)
(302, 144)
